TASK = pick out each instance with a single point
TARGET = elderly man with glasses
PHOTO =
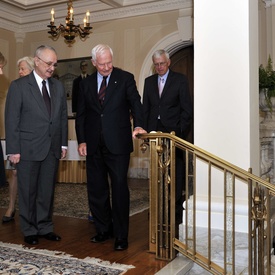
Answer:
(36, 138)
(167, 107)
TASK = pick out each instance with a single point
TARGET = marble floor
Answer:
(182, 265)
(217, 250)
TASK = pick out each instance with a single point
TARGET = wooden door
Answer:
(183, 62)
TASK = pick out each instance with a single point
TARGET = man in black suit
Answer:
(167, 107)
(75, 90)
(3, 62)
(36, 126)
(104, 134)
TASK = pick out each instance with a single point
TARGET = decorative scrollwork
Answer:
(259, 209)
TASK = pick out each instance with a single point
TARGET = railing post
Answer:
(260, 233)
(162, 198)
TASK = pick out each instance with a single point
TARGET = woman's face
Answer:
(23, 68)
(1, 68)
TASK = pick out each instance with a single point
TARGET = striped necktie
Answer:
(102, 90)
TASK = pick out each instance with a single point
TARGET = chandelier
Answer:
(70, 30)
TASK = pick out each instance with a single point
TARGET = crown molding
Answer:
(32, 4)
(38, 21)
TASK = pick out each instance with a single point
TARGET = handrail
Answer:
(201, 152)
(164, 239)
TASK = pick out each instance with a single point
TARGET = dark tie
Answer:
(46, 97)
(102, 90)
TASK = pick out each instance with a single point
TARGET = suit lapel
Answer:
(155, 86)
(53, 96)
(92, 83)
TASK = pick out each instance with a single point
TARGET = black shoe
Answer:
(6, 219)
(101, 237)
(51, 236)
(121, 244)
(32, 239)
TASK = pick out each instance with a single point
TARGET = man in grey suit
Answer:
(36, 138)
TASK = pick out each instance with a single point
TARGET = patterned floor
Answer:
(71, 198)
(15, 259)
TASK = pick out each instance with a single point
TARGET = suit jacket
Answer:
(75, 91)
(29, 129)
(174, 106)
(113, 118)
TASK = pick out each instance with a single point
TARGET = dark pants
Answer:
(110, 208)
(2, 168)
(36, 182)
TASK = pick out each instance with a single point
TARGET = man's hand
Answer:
(63, 153)
(82, 149)
(15, 158)
(138, 130)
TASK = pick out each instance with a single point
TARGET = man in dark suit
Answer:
(167, 107)
(3, 62)
(36, 138)
(75, 90)
(104, 135)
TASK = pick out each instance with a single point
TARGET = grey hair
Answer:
(100, 48)
(41, 48)
(29, 60)
(159, 53)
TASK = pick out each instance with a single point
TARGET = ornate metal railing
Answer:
(255, 247)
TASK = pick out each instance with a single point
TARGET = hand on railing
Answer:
(137, 131)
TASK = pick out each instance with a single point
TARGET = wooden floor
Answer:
(76, 234)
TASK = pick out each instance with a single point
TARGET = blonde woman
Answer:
(25, 66)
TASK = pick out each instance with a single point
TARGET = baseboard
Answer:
(217, 214)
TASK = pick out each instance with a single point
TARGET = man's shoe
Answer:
(51, 236)
(32, 239)
(101, 237)
(121, 244)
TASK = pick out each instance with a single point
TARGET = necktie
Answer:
(102, 90)
(161, 85)
(46, 97)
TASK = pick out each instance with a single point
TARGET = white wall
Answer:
(226, 121)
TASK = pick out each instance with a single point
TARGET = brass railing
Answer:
(256, 192)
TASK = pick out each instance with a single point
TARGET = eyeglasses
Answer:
(108, 64)
(161, 64)
(49, 64)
